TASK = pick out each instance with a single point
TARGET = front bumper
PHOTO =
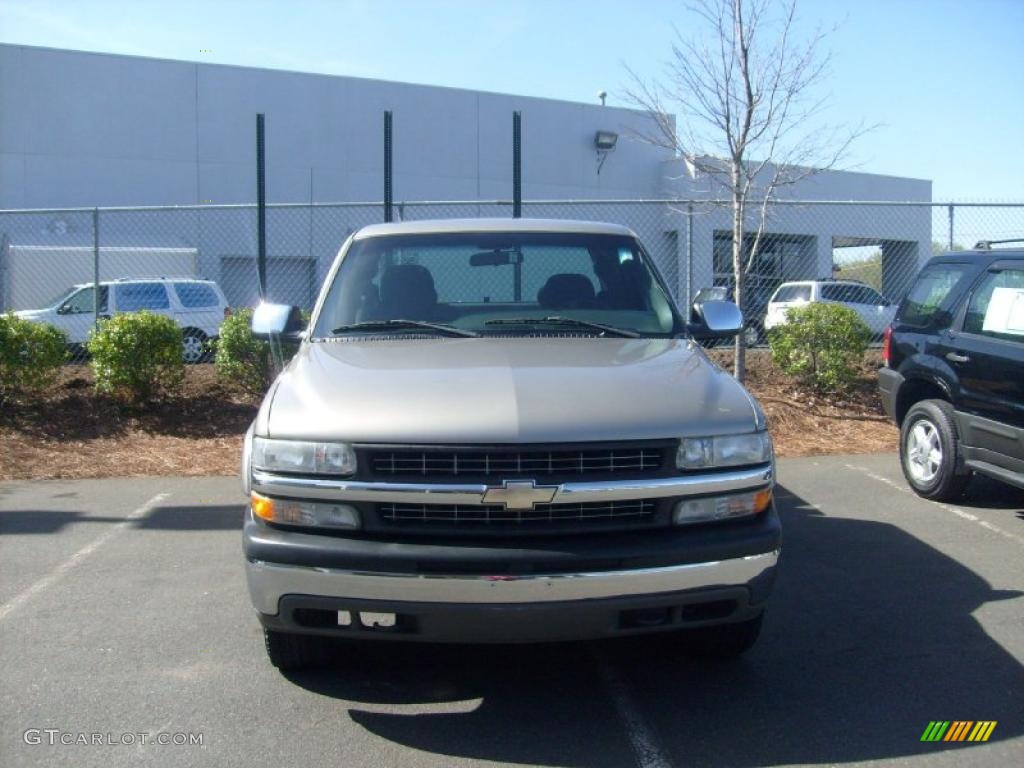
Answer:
(546, 589)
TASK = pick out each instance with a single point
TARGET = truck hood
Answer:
(529, 390)
(32, 314)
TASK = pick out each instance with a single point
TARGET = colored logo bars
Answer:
(958, 730)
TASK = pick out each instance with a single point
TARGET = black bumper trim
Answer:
(889, 383)
(520, 623)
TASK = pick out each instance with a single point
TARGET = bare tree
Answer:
(745, 97)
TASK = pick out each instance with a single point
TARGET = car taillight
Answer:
(887, 345)
(227, 312)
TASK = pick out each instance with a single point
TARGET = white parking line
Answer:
(648, 752)
(58, 572)
(961, 513)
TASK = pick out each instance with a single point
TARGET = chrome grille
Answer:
(515, 463)
(632, 510)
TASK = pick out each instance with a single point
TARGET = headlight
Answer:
(311, 513)
(724, 451)
(303, 457)
(721, 507)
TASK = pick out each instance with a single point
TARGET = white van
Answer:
(873, 308)
(198, 306)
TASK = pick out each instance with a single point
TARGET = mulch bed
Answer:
(74, 433)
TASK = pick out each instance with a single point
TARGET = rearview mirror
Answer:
(281, 320)
(715, 320)
(495, 258)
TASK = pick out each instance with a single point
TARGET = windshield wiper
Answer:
(388, 325)
(611, 330)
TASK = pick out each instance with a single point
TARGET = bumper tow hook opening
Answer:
(377, 620)
(646, 617)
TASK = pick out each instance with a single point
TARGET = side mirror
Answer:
(63, 309)
(715, 320)
(281, 320)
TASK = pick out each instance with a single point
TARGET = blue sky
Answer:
(943, 78)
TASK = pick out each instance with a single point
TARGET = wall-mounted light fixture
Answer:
(604, 142)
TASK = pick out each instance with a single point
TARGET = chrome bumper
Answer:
(268, 582)
(704, 484)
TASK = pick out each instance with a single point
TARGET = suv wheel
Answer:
(725, 641)
(753, 335)
(929, 447)
(193, 347)
(288, 651)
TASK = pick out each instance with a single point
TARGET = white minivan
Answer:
(198, 306)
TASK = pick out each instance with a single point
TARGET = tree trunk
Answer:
(739, 365)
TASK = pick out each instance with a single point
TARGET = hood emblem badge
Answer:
(520, 495)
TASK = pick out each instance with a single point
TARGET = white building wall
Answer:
(85, 129)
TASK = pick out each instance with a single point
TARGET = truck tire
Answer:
(725, 641)
(930, 450)
(288, 651)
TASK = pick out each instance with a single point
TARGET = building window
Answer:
(780, 258)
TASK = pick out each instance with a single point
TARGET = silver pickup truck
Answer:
(504, 431)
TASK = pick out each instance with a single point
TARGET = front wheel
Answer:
(929, 448)
(289, 651)
(193, 347)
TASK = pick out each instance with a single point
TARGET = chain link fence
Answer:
(46, 254)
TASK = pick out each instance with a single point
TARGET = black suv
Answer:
(954, 371)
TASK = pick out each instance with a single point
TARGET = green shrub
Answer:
(241, 358)
(136, 356)
(30, 356)
(820, 345)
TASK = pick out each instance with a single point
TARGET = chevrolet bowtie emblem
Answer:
(520, 494)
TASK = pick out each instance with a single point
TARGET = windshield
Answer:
(498, 283)
(57, 300)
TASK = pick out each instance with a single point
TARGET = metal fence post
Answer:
(951, 226)
(261, 209)
(388, 215)
(689, 254)
(517, 165)
(5, 275)
(95, 268)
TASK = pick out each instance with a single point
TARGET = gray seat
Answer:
(566, 291)
(628, 288)
(407, 292)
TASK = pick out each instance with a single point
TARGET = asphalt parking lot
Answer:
(123, 611)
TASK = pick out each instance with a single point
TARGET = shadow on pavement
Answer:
(45, 521)
(986, 493)
(868, 637)
(206, 517)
